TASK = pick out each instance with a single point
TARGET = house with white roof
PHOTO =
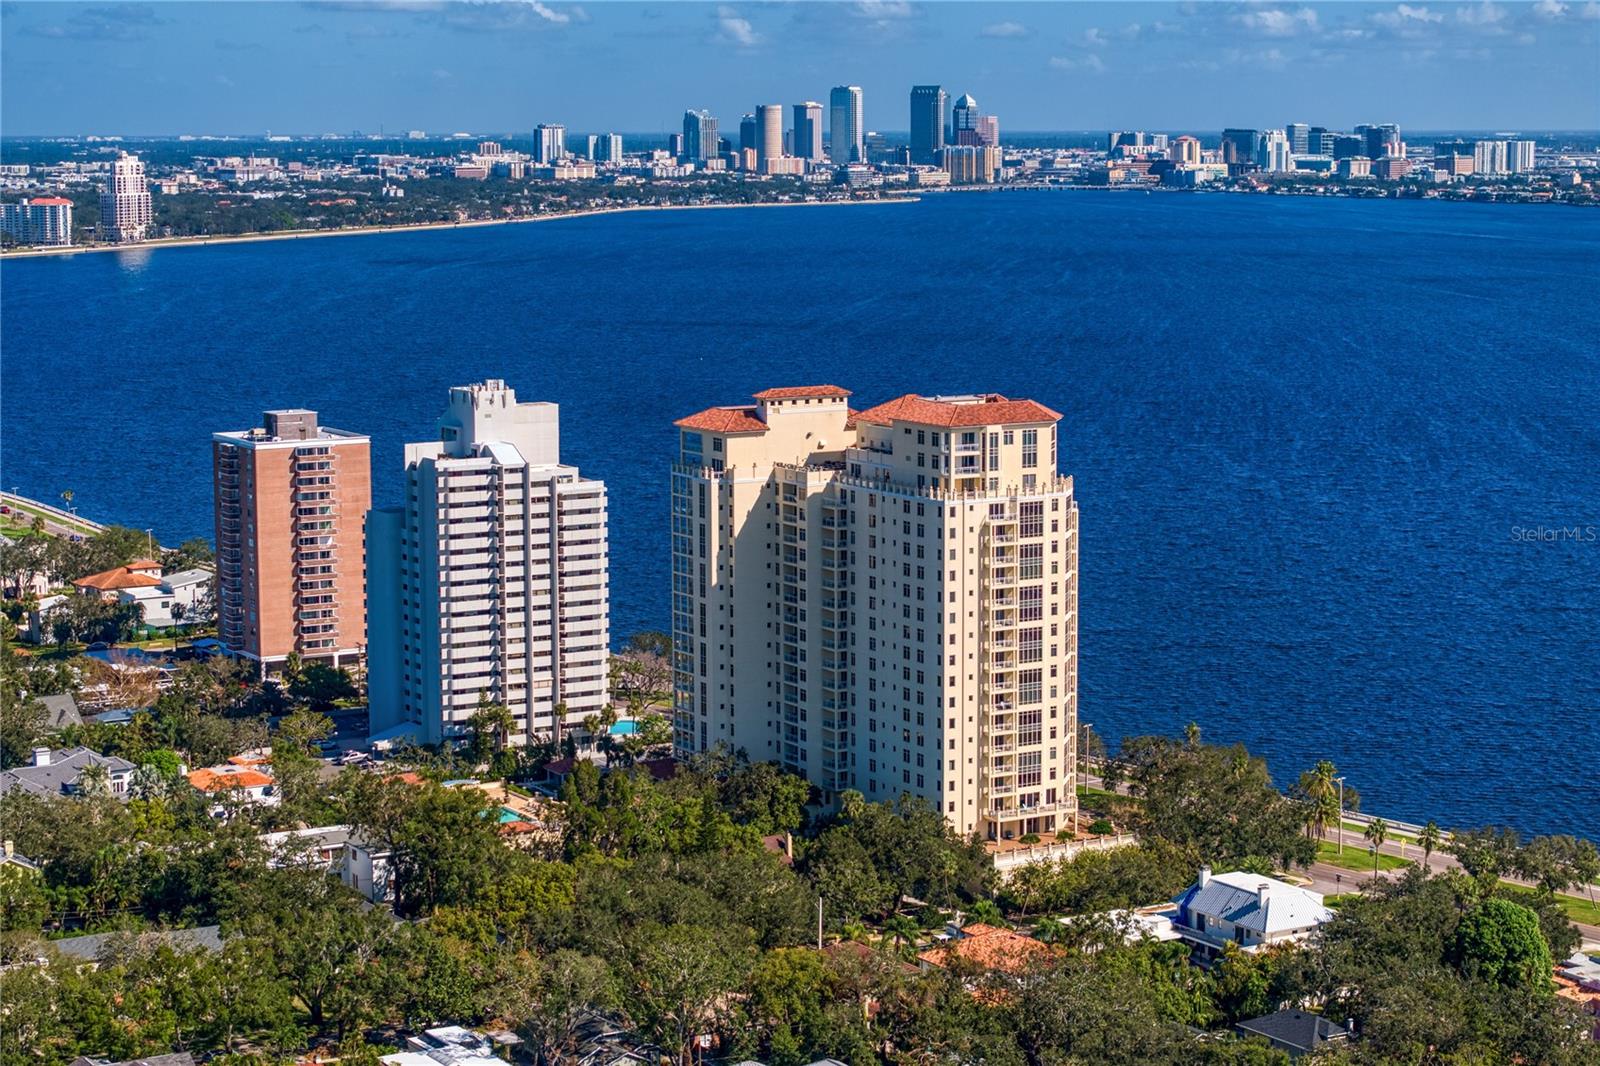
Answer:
(1249, 910)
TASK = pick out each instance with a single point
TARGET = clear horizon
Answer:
(244, 69)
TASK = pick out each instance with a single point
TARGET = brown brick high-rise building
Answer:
(291, 498)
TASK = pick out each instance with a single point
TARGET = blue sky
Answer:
(313, 67)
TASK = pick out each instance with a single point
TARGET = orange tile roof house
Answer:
(244, 783)
(987, 948)
(139, 574)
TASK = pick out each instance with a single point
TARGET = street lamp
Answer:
(1338, 828)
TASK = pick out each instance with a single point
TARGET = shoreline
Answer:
(421, 227)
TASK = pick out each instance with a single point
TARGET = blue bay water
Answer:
(1310, 437)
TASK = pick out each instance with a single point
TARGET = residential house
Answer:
(60, 773)
(141, 573)
(1296, 1031)
(60, 711)
(362, 865)
(141, 582)
(13, 864)
(1249, 910)
(238, 783)
(986, 948)
(180, 1058)
(94, 946)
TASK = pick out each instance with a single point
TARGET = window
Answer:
(1030, 447)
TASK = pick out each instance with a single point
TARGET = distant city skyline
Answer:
(240, 68)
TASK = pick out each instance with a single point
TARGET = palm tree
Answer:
(901, 931)
(1429, 839)
(1377, 832)
(94, 780)
(1321, 791)
(987, 912)
(1191, 735)
(66, 498)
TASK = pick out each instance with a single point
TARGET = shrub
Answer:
(1028, 838)
(1100, 827)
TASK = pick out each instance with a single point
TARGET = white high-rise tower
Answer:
(490, 582)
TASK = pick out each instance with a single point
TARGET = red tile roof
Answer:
(724, 420)
(798, 392)
(50, 201)
(988, 947)
(213, 781)
(993, 411)
(120, 577)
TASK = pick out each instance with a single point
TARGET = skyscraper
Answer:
(1319, 141)
(699, 136)
(549, 142)
(808, 131)
(769, 131)
(1299, 135)
(900, 615)
(748, 134)
(1185, 151)
(846, 125)
(1239, 146)
(289, 502)
(1272, 152)
(1519, 157)
(605, 147)
(490, 583)
(1381, 140)
(125, 209)
(927, 122)
(963, 118)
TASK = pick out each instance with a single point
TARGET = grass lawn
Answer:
(1356, 858)
(1580, 910)
(1335, 902)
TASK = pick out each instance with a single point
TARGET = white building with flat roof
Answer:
(491, 582)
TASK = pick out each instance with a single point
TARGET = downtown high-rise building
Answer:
(927, 122)
(769, 132)
(807, 143)
(549, 143)
(1381, 139)
(1273, 153)
(489, 585)
(964, 119)
(1184, 151)
(1239, 146)
(699, 136)
(883, 600)
(846, 125)
(605, 147)
(290, 498)
(125, 208)
(1299, 134)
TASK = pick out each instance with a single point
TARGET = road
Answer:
(57, 522)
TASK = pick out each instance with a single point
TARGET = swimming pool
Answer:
(625, 728)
